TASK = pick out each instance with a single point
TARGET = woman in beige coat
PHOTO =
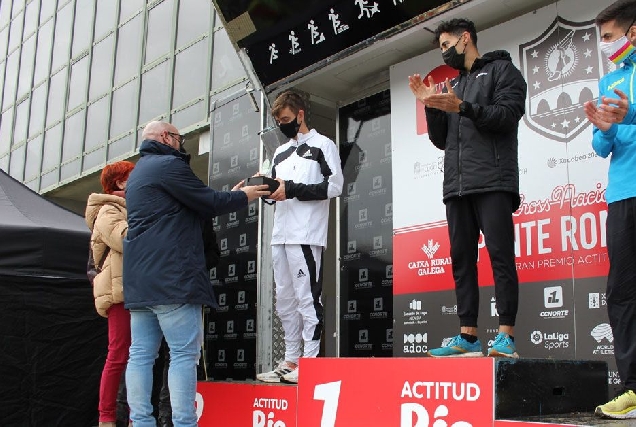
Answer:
(106, 217)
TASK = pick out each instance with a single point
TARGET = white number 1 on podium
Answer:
(330, 394)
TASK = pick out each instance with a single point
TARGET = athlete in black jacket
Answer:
(475, 120)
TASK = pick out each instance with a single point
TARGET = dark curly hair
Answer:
(622, 11)
(457, 28)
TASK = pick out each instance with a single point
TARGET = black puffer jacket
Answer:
(481, 146)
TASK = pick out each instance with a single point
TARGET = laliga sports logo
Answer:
(439, 74)
(562, 67)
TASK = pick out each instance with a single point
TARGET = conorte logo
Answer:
(553, 297)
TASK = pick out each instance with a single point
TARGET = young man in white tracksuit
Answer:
(309, 173)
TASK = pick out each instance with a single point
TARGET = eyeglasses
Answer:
(176, 135)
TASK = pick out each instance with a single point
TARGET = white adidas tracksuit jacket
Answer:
(311, 169)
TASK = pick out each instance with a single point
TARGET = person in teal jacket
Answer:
(618, 33)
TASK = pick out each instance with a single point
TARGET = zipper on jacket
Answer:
(459, 139)
(631, 83)
(494, 145)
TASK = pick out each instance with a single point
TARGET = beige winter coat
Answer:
(106, 217)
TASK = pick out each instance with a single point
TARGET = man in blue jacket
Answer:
(475, 120)
(618, 33)
(165, 278)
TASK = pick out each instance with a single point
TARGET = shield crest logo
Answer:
(562, 67)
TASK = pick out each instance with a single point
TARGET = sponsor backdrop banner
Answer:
(230, 331)
(366, 227)
(561, 245)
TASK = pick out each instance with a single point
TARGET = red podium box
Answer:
(246, 404)
(403, 392)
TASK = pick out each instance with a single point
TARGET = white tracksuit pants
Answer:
(298, 277)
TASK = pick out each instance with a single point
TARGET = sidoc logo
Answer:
(415, 343)
(415, 305)
(602, 332)
(363, 274)
(416, 338)
(430, 249)
(562, 67)
(553, 297)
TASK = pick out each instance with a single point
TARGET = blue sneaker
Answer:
(503, 346)
(457, 347)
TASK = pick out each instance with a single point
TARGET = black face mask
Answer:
(453, 59)
(290, 130)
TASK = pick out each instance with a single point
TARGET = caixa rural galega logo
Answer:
(562, 67)
(433, 265)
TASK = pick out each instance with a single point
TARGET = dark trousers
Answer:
(621, 286)
(492, 214)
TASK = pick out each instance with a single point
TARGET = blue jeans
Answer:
(182, 326)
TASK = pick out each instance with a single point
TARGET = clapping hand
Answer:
(421, 90)
(614, 110)
(448, 102)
